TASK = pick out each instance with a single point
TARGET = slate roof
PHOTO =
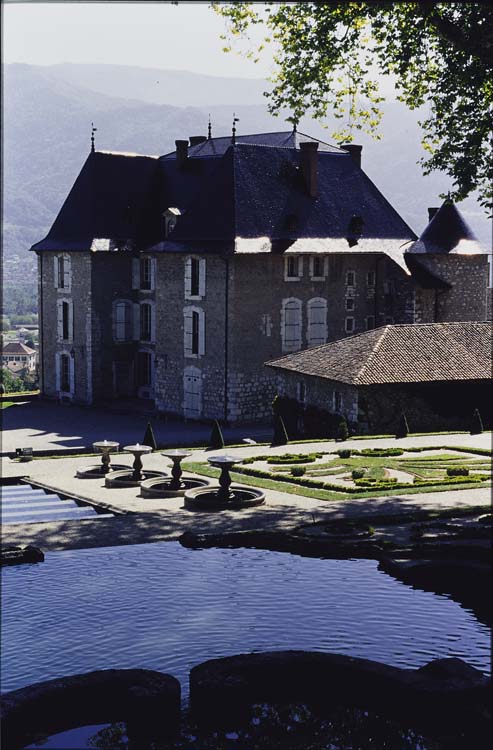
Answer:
(111, 198)
(16, 347)
(447, 232)
(226, 193)
(400, 354)
(283, 139)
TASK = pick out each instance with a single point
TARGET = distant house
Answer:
(18, 358)
(436, 373)
(172, 279)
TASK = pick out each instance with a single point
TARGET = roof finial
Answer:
(93, 130)
(233, 134)
(209, 128)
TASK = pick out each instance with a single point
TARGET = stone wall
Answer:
(466, 300)
(320, 392)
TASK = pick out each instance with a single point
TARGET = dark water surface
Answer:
(164, 607)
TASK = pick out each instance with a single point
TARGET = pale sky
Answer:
(151, 35)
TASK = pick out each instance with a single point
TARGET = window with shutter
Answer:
(146, 273)
(194, 278)
(291, 325)
(194, 331)
(317, 321)
(293, 268)
(65, 373)
(121, 320)
(318, 267)
(145, 322)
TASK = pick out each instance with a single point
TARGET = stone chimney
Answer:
(309, 166)
(354, 151)
(196, 139)
(181, 153)
(431, 213)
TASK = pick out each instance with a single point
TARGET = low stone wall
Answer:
(443, 696)
(148, 701)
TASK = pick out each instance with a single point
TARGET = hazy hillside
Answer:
(47, 125)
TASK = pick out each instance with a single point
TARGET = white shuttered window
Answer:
(291, 325)
(317, 321)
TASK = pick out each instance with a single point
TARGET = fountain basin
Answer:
(208, 499)
(96, 471)
(159, 487)
(125, 478)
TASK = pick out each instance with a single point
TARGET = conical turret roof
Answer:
(447, 232)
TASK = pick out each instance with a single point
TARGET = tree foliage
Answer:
(329, 56)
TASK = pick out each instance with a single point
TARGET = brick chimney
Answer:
(354, 151)
(196, 139)
(431, 213)
(181, 153)
(309, 166)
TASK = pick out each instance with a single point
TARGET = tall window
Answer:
(349, 325)
(63, 272)
(122, 320)
(145, 322)
(317, 321)
(65, 373)
(350, 278)
(194, 332)
(194, 278)
(291, 325)
(317, 267)
(349, 303)
(65, 320)
(371, 278)
(146, 273)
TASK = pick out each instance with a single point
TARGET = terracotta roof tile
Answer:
(400, 354)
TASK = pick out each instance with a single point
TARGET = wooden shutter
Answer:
(187, 331)
(317, 321)
(71, 369)
(136, 321)
(71, 321)
(188, 277)
(67, 272)
(135, 273)
(153, 273)
(202, 277)
(291, 325)
(57, 372)
(201, 332)
(59, 307)
(55, 271)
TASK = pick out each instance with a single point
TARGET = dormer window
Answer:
(170, 218)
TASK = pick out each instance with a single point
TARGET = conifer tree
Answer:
(216, 439)
(280, 433)
(402, 427)
(476, 423)
(149, 438)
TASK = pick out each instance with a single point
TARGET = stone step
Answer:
(4, 492)
(71, 514)
(27, 500)
(49, 512)
(21, 507)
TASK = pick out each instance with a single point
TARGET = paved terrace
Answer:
(140, 520)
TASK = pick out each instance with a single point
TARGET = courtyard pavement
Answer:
(140, 520)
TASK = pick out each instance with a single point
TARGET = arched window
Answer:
(317, 321)
(291, 324)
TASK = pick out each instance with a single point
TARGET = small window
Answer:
(65, 373)
(349, 303)
(370, 322)
(317, 267)
(145, 322)
(338, 401)
(370, 278)
(194, 277)
(350, 278)
(349, 325)
(194, 332)
(293, 268)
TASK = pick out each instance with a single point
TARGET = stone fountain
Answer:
(174, 486)
(223, 497)
(132, 477)
(97, 471)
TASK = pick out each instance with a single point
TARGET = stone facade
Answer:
(467, 298)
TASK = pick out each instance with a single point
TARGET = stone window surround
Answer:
(289, 266)
(148, 308)
(325, 267)
(65, 307)
(191, 262)
(190, 314)
(349, 324)
(350, 278)
(62, 272)
(316, 303)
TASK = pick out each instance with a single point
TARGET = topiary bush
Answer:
(342, 430)
(344, 453)
(216, 439)
(293, 458)
(149, 438)
(457, 472)
(476, 423)
(402, 427)
(381, 452)
(297, 471)
(358, 473)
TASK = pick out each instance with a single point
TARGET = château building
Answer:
(172, 279)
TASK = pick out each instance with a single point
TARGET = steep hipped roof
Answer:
(109, 199)
(447, 232)
(17, 347)
(258, 191)
(400, 354)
